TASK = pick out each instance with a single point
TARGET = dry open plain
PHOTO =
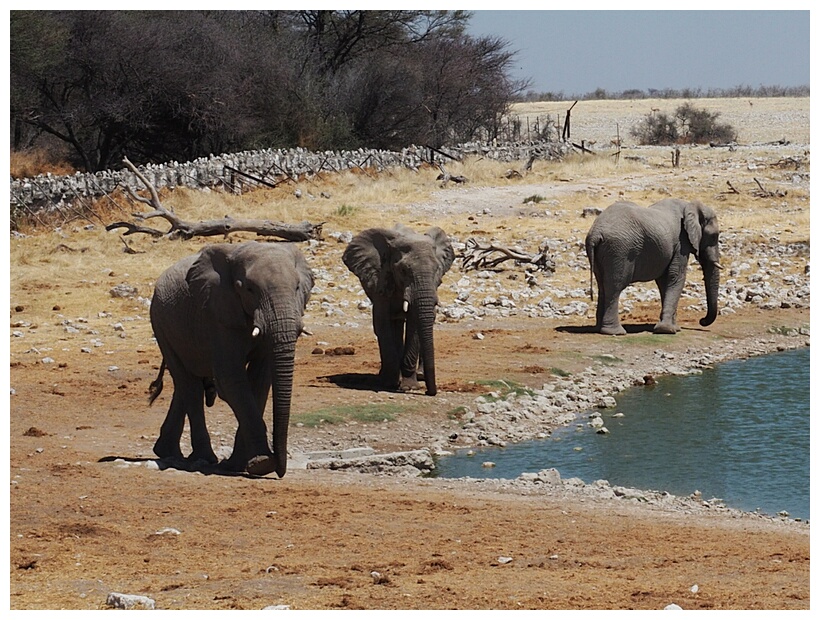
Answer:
(92, 512)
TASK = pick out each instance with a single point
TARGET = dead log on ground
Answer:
(186, 230)
(445, 177)
(764, 193)
(480, 256)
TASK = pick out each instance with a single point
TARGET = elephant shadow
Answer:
(631, 328)
(178, 464)
(357, 381)
(365, 382)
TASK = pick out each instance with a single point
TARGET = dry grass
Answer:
(62, 261)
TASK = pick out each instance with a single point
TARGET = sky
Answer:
(577, 52)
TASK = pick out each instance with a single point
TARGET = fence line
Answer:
(268, 166)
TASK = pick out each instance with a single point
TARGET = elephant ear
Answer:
(368, 257)
(305, 275)
(211, 283)
(444, 249)
(692, 225)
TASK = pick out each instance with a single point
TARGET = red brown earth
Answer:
(83, 525)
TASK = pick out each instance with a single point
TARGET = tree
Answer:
(166, 85)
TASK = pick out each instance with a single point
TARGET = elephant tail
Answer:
(155, 389)
(590, 247)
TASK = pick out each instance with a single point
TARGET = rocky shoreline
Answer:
(536, 414)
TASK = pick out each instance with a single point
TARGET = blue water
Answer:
(738, 432)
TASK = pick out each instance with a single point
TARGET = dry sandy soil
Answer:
(92, 512)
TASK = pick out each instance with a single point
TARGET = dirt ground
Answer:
(89, 516)
(92, 512)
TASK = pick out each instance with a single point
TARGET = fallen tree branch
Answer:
(731, 190)
(480, 256)
(764, 193)
(445, 177)
(181, 229)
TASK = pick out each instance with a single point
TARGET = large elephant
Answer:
(400, 270)
(226, 321)
(628, 243)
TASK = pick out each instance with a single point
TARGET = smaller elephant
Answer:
(628, 243)
(226, 321)
(400, 271)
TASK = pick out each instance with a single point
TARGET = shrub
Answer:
(689, 125)
(701, 127)
(656, 129)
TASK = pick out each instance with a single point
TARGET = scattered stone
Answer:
(124, 290)
(117, 600)
(167, 531)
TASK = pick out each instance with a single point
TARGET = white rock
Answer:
(129, 601)
(167, 530)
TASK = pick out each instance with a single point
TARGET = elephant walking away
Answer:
(628, 243)
(226, 321)
(400, 271)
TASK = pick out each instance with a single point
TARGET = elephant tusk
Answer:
(406, 305)
(718, 266)
(306, 331)
(256, 331)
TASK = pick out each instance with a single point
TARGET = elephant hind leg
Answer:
(167, 444)
(607, 321)
(187, 400)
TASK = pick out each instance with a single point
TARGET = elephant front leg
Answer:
(251, 452)
(410, 360)
(670, 288)
(389, 333)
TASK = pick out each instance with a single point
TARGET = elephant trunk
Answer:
(282, 335)
(424, 308)
(283, 359)
(711, 278)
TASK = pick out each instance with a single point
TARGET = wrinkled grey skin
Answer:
(226, 321)
(628, 243)
(400, 271)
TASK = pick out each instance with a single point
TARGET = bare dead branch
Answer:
(480, 256)
(133, 229)
(764, 193)
(181, 229)
(445, 177)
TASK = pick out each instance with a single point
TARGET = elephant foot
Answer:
(666, 328)
(617, 330)
(261, 465)
(206, 456)
(407, 384)
(164, 451)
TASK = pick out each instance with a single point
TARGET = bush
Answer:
(689, 125)
(656, 129)
(701, 127)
